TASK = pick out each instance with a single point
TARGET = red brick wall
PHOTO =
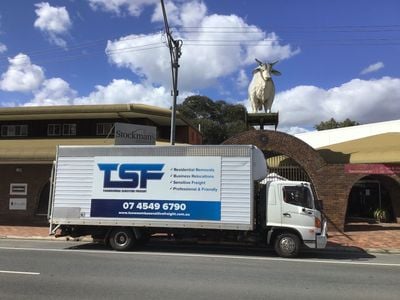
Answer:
(333, 186)
(195, 137)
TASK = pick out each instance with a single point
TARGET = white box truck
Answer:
(125, 194)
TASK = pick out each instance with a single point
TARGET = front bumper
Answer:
(322, 238)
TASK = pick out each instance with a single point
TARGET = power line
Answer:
(227, 30)
(96, 47)
(253, 29)
(135, 48)
(307, 44)
(80, 46)
(65, 58)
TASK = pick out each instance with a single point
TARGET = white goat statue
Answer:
(262, 88)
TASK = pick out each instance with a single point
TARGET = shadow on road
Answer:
(156, 246)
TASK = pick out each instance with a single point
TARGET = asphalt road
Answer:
(72, 270)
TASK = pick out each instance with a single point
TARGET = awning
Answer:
(382, 148)
(31, 151)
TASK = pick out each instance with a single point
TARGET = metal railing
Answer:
(286, 167)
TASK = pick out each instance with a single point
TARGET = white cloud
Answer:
(372, 68)
(54, 91)
(53, 21)
(268, 48)
(192, 13)
(117, 7)
(21, 75)
(208, 54)
(3, 48)
(293, 130)
(364, 101)
(152, 64)
(126, 91)
(188, 14)
(172, 12)
(242, 81)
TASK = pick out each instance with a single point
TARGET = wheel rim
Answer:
(287, 245)
(121, 239)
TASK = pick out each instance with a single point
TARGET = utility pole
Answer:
(175, 53)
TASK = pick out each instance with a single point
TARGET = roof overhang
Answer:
(43, 151)
(158, 115)
(382, 148)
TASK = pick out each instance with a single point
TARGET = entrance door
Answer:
(43, 200)
(364, 199)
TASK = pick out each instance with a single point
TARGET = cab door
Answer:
(298, 209)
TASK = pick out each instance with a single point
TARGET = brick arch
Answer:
(308, 158)
(327, 179)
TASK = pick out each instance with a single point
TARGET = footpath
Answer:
(374, 238)
(362, 237)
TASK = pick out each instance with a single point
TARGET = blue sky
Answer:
(337, 58)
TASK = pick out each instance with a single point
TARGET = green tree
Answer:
(332, 123)
(217, 120)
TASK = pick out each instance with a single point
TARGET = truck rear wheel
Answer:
(122, 239)
(287, 245)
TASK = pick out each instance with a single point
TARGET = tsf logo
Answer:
(131, 175)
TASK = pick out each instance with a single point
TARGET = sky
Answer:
(339, 59)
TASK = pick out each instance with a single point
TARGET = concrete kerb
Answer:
(382, 251)
(48, 238)
(353, 249)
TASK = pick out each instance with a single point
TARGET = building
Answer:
(371, 152)
(354, 170)
(29, 136)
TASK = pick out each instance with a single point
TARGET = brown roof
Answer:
(381, 148)
(43, 150)
(158, 115)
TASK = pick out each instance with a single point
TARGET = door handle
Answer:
(287, 215)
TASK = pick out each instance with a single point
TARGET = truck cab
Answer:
(293, 217)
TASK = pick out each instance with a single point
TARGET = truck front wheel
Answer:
(122, 239)
(287, 245)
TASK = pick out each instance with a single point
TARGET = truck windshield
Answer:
(298, 195)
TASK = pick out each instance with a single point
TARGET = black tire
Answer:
(287, 245)
(122, 239)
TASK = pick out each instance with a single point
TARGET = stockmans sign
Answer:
(131, 134)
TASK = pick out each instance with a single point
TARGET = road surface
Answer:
(75, 270)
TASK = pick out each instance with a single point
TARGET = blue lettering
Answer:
(125, 172)
(132, 175)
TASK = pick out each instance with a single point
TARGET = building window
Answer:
(69, 129)
(54, 129)
(14, 130)
(104, 128)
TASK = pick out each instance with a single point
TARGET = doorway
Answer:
(366, 197)
(43, 204)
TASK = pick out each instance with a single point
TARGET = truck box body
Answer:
(210, 187)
